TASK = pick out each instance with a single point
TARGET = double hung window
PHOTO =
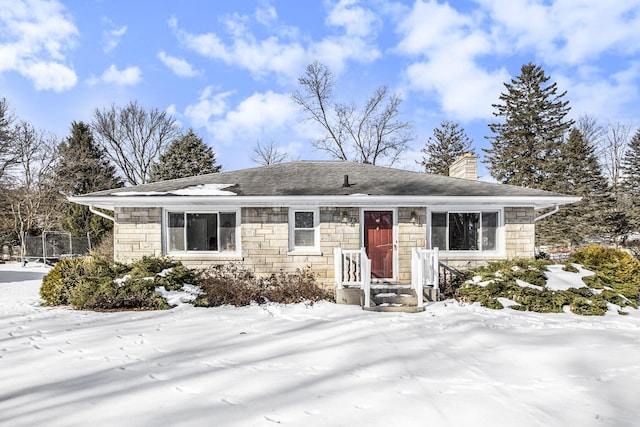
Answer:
(303, 229)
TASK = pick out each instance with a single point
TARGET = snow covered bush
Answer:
(522, 285)
(94, 283)
(232, 285)
(59, 284)
(617, 272)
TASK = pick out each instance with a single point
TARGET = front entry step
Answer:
(395, 309)
(390, 298)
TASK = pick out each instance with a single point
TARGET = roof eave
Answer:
(111, 202)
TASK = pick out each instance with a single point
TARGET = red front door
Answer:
(378, 242)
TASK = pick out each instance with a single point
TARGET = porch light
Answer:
(346, 219)
(413, 219)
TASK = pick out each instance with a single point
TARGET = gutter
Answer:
(102, 214)
(543, 216)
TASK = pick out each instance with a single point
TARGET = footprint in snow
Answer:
(312, 412)
(158, 377)
(231, 401)
(274, 418)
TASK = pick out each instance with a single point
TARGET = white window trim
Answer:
(304, 250)
(500, 250)
(201, 254)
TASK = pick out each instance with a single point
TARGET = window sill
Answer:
(471, 254)
(307, 252)
(206, 256)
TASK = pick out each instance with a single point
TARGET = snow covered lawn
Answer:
(324, 365)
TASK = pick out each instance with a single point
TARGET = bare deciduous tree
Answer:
(35, 203)
(267, 154)
(611, 152)
(8, 153)
(368, 136)
(592, 132)
(134, 138)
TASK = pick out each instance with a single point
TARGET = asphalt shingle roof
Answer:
(326, 178)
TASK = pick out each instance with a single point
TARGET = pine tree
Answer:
(187, 156)
(525, 146)
(445, 146)
(590, 218)
(82, 168)
(631, 181)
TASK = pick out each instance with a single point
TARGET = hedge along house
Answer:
(354, 225)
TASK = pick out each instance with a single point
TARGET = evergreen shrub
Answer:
(616, 281)
(95, 283)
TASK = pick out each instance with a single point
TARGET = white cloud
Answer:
(179, 66)
(127, 77)
(357, 21)
(35, 36)
(209, 105)
(448, 44)
(111, 37)
(51, 76)
(259, 117)
(567, 31)
(606, 98)
(284, 52)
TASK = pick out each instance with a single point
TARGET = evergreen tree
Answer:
(82, 168)
(590, 218)
(525, 146)
(445, 146)
(187, 156)
(631, 181)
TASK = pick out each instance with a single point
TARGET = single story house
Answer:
(308, 213)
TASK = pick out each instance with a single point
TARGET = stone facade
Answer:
(137, 233)
(265, 246)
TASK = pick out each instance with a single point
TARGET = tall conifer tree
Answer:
(187, 156)
(83, 167)
(631, 181)
(526, 143)
(590, 218)
(445, 146)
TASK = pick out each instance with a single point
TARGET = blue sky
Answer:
(227, 69)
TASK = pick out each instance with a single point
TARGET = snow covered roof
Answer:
(351, 184)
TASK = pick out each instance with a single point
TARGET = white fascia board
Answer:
(538, 202)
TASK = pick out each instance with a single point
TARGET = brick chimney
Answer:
(465, 167)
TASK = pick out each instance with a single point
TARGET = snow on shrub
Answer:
(615, 282)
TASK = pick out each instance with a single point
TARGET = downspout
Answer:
(102, 214)
(543, 216)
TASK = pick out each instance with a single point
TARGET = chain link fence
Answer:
(52, 246)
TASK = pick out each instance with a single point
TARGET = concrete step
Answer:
(404, 299)
(395, 309)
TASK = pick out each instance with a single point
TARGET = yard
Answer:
(321, 365)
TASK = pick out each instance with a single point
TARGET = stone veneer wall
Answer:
(410, 235)
(137, 233)
(520, 232)
(265, 240)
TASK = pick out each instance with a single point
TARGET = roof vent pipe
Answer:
(345, 183)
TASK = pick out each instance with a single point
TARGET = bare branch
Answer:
(368, 136)
(267, 154)
(134, 138)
